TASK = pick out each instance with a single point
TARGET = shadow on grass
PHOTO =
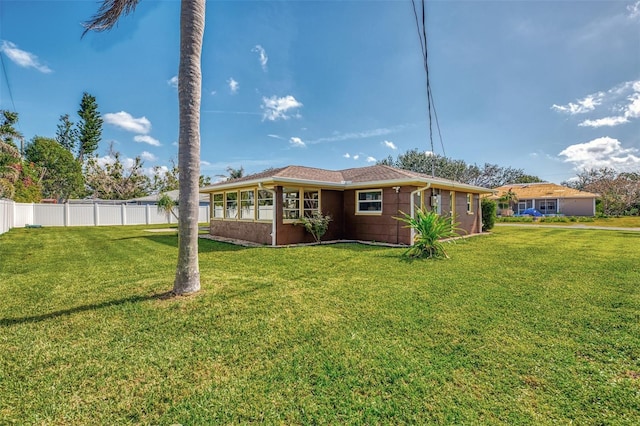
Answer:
(5, 322)
(204, 245)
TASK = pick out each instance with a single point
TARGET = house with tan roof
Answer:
(549, 199)
(266, 207)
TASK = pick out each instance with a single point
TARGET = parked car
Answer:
(531, 212)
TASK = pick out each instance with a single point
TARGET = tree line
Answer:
(486, 176)
(67, 166)
(618, 192)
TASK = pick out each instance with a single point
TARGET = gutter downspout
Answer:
(273, 220)
(413, 208)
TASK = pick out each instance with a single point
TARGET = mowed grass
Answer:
(523, 326)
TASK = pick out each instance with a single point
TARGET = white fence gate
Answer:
(16, 215)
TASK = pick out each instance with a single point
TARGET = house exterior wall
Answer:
(577, 206)
(379, 227)
(259, 232)
(289, 233)
(471, 223)
(348, 224)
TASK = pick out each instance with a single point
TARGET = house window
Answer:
(265, 205)
(291, 203)
(470, 203)
(218, 206)
(369, 202)
(247, 204)
(311, 203)
(231, 211)
(547, 206)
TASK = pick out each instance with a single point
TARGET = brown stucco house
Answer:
(265, 207)
(549, 199)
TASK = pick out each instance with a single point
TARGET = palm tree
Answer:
(508, 198)
(189, 95)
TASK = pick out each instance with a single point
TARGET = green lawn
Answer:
(523, 326)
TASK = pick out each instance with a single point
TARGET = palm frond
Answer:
(108, 15)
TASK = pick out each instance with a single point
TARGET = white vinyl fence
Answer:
(16, 215)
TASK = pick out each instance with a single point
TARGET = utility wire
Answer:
(421, 26)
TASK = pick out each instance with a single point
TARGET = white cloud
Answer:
(602, 152)
(390, 144)
(622, 100)
(355, 157)
(606, 121)
(126, 121)
(173, 81)
(275, 108)
(147, 139)
(262, 56)
(634, 10)
(276, 137)
(147, 156)
(214, 92)
(429, 153)
(338, 137)
(297, 142)
(23, 58)
(204, 163)
(589, 103)
(371, 159)
(346, 155)
(233, 85)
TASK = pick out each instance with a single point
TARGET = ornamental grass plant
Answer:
(430, 231)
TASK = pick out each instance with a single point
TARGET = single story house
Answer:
(153, 199)
(266, 207)
(549, 199)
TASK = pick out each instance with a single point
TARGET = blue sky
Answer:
(549, 87)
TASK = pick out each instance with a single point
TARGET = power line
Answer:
(421, 26)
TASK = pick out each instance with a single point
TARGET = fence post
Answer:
(123, 214)
(96, 214)
(147, 214)
(67, 214)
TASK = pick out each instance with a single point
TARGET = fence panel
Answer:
(109, 215)
(81, 215)
(203, 214)
(6, 215)
(14, 215)
(23, 215)
(48, 214)
(137, 215)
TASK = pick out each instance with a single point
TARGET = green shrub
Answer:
(488, 214)
(317, 225)
(430, 229)
(517, 219)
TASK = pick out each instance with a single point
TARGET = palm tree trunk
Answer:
(189, 95)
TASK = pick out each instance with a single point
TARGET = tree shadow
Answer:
(204, 245)
(5, 322)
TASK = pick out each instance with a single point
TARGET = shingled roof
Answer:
(541, 191)
(339, 178)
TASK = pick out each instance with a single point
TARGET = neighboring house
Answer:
(265, 208)
(549, 199)
(153, 199)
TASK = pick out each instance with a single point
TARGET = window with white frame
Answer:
(265, 205)
(469, 203)
(231, 210)
(369, 201)
(247, 204)
(311, 202)
(218, 206)
(547, 206)
(290, 203)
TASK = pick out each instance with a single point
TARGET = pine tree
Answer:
(66, 134)
(89, 126)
